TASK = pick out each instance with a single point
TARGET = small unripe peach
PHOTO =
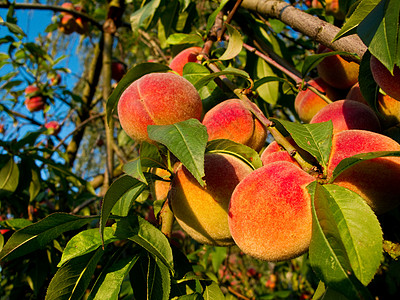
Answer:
(389, 83)
(183, 57)
(202, 212)
(376, 180)
(231, 120)
(348, 114)
(118, 70)
(270, 212)
(157, 99)
(54, 127)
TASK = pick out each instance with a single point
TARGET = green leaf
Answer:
(249, 155)
(313, 138)
(39, 234)
(34, 186)
(150, 155)
(363, 9)
(186, 140)
(228, 71)
(134, 169)
(158, 280)
(235, 43)
(213, 292)
(147, 236)
(313, 60)
(213, 16)
(143, 16)
(108, 284)
(117, 189)
(369, 88)
(84, 242)
(379, 31)
(268, 86)
(72, 279)
(345, 250)
(9, 178)
(183, 38)
(351, 161)
(133, 74)
(14, 28)
(124, 204)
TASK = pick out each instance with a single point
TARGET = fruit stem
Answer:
(167, 219)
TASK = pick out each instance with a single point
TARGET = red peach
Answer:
(375, 180)
(54, 127)
(34, 100)
(348, 114)
(270, 212)
(389, 83)
(231, 120)
(157, 99)
(202, 212)
(183, 57)
(118, 70)
(273, 152)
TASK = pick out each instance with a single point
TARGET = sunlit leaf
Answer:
(235, 44)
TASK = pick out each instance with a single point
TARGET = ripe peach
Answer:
(67, 24)
(183, 57)
(273, 152)
(355, 94)
(231, 120)
(159, 189)
(347, 114)
(307, 103)
(54, 127)
(157, 99)
(34, 100)
(389, 83)
(376, 180)
(203, 211)
(338, 72)
(270, 212)
(118, 70)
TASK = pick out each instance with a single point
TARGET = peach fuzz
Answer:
(273, 152)
(157, 99)
(202, 212)
(347, 114)
(389, 83)
(338, 72)
(307, 103)
(270, 212)
(183, 57)
(231, 120)
(376, 180)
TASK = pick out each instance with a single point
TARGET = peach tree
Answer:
(234, 149)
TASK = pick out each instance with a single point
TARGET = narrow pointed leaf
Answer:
(314, 138)
(143, 16)
(213, 292)
(183, 38)
(249, 155)
(235, 44)
(9, 177)
(134, 169)
(213, 16)
(345, 250)
(84, 242)
(268, 86)
(158, 280)
(228, 71)
(38, 235)
(187, 141)
(72, 279)
(351, 161)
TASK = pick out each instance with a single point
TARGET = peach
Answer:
(34, 100)
(355, 94)
(159, 189)
(54, 127)
(273, 152)
(376, 180)
(183, 57)
(202, 212)
(118, 70)
(338, 72)
(231, 120)
(389, 83)
(270, 212)
(347, 114)
(307, 103)
(67, 24)
(157, 99)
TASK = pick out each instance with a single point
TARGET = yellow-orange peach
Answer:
(308, 103)
(157, 99)
(338, 72)
(159, 188)
(183, 57)
(376, 180)
(231, 120)
(347, 114)
(203, 211)
(389, 83)
(270, 212)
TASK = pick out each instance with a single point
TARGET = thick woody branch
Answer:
(307, 24)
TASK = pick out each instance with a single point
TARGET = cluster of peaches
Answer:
(266, 212)
(69, 23)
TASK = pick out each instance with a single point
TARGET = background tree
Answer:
(85, 209)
